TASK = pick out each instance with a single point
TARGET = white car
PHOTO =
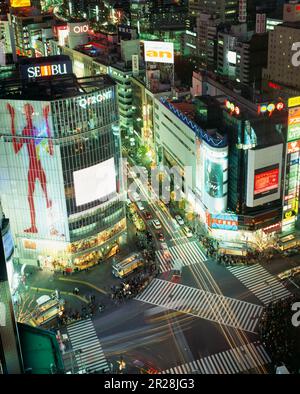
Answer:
(164, 246)
(187, 232)
(179, 220)
(156, 224)
(134, 196)
(140, 205)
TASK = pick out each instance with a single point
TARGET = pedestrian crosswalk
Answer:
(260, 282)
(232, 361)
(196, 302)
(184, 254)
(86, 346)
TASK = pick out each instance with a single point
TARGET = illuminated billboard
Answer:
(95, 183)
(20, 3)
(231, 57)
(31, 179)
(266, 181)
(213, 172)
(264, 175)
(223, 222)
(48, 69)
(159, 52)
(293, 147)
(294, 101)
(294, 124)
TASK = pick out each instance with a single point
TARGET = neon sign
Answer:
(270, 108)
(234, 109)
(49, 69)
(85, 102)
(81, 29)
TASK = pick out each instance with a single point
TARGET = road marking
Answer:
(232, 361)
(187, 253)
(84, 283)
(41, 289)
(260, 282)
(86, 346)
(197, 302)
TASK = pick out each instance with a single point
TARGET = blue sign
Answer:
(214, 141)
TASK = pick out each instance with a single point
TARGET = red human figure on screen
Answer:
(35, 170)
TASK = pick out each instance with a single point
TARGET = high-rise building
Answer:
(283, 52)
(28, 25)
(225, 10)
(61, 183)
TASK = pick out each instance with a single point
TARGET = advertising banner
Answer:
(224, 222)
(159, 52)
(213, 174)
(20, 3)
(264, 175)
(294, 124)
(214, 179)
(31, 181)
(266, 181)
(95, 182)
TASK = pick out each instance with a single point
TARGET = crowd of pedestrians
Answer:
(279, 336)
(214, 251)
(133, 285)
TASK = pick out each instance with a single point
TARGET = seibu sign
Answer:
(33, 71)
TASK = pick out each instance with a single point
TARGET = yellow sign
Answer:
(294, 101)
(19, 3)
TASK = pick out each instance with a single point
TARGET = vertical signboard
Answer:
(213, 172)
(291, 186)
(264, 175)
(135, 65)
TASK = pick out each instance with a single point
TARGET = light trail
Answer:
(200, 273)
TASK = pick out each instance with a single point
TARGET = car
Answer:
(156, 224)
(176, 275)
(187, 232)
(148, 215)
(176, 225)
(134, 196)
(140, 205)
(164, 246)
(160, 236)
(179, 220)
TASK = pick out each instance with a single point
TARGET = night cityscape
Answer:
(149, 189)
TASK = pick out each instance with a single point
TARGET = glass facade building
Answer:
(60, 182)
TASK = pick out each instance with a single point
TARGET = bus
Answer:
(47, 309)
(127, 266)
(287, 242)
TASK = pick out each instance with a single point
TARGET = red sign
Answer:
(274, 86)
(294, 146)
(272, 228)
(266, 181)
